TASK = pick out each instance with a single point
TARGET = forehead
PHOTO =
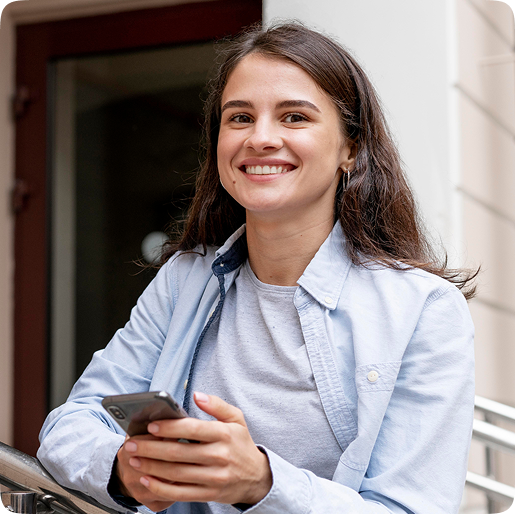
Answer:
(267, 77)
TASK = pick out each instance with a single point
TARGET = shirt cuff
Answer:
(113, 489)
(290, 491)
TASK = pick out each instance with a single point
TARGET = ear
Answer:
(348, 155)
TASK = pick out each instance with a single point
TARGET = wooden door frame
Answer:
(38, 44)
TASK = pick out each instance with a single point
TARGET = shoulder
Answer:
(183, 266)
(411, 286)
(391, 306)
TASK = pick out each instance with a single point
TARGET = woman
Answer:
(337, 354)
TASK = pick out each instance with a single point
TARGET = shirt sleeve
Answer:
(419, 460)
(79, 440)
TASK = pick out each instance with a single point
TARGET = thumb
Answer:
(216, 407)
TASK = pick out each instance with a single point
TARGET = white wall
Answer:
(6, 227)
(403, 45)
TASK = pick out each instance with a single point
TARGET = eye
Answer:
(295, 117)
(241, 118)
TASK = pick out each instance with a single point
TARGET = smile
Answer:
(267, 170)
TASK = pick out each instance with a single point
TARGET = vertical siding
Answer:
(486, 90)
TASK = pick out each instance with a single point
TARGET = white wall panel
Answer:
(487, 81)
(490, 241)
(488, 160)
(499, 15)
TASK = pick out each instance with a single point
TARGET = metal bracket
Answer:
(19, 196)
(23, 97)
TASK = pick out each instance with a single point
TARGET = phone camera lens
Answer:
(117, 413)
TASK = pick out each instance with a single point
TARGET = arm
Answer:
(79, 441)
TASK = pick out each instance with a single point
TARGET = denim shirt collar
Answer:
(323, 278)
(325, 275)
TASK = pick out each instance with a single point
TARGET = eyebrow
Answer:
(280, 105)
(298, 103)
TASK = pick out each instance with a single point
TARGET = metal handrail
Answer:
(20, 472)
(494, 438)
(498, 491)
(496, 409)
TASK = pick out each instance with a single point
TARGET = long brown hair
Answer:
(376, 208)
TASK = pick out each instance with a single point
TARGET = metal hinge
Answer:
(23, 97)
(20, 194)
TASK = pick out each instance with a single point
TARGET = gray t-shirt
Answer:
(258, 340)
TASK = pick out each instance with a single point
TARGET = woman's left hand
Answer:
(226, 467)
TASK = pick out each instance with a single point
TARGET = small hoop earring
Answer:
(346, 179)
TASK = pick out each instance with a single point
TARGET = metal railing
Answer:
(494, 438)
(20, 472)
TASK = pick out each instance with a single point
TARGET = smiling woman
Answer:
(304, 299)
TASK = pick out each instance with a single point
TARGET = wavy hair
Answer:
(376, 209)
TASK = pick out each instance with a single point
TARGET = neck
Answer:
(279, 252)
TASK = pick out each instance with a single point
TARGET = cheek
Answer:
(225, 150)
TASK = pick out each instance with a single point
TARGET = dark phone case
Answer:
(140, 409)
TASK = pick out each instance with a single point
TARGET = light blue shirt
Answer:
(392, 357)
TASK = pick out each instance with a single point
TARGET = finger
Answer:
(216, 407)
(130, 485)
(170, 451)
(178, 492)
(178, 472)
(188, 428)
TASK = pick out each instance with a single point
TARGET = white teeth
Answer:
(265, 170)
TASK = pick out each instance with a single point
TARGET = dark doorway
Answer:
(106, 151)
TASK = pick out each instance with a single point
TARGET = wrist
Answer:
(263, 483)
(117, 490)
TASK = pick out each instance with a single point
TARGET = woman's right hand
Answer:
(129, 479)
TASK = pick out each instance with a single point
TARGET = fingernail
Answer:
(131, 447)
(153, 428)
(135, 462)
(201, 397)
(144, 481)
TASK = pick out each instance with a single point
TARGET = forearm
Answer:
(79, 453)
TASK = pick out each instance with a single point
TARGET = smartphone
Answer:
(133, 412)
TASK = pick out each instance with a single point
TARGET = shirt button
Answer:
(372, 376)
(185, 384)
(328, 299)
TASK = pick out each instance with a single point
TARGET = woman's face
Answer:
(280, 147)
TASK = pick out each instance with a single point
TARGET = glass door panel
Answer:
(126, 129)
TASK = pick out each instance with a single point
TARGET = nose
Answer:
(264, 135)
